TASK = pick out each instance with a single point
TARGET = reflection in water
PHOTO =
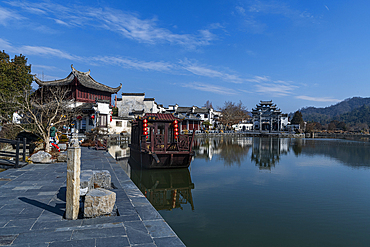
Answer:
(266, 151)
(350, 153)
(119, 151)
(230, 150)
(166, 189)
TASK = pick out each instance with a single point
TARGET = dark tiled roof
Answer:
(149, 99)
(184, 109)
(83, 77)
(200, 110)
(133, 94)
(162, 116)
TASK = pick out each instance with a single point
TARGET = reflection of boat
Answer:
(156, 142)
(166, 189)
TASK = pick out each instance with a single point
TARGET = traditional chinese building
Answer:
(92, 97)
(268, 117)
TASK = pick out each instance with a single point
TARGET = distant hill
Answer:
(352, 110)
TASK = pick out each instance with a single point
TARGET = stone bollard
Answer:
(73, 179)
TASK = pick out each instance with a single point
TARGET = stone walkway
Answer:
(32, 204)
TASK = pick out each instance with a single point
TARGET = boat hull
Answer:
(166, 159)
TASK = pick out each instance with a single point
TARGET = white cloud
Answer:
(127, 24)
(7, 15)
(36, 50)
(203, 71)
(252, 12)
(275, 88)
(240, 10)
(210, 88)
(317, 99)
(130, 63)
(46, 51)
(5, 45)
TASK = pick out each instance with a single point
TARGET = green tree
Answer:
(297, 119)
(15, 76)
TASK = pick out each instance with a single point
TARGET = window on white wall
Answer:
(102, 120)
(119, 123)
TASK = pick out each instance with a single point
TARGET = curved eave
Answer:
(87, 81)
(60, 82)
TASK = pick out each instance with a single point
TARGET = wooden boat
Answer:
(156, 142)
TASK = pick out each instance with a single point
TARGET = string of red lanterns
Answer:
(175, 129)
(145, 128)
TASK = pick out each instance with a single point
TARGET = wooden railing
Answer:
(183, 143)
(15, 154)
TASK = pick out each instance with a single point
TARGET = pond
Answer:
(266, 192)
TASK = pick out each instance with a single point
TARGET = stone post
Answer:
(73, 179)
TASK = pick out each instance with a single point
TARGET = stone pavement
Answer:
(32, 204)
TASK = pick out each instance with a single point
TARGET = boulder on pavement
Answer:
(99, 202)
(41, 157)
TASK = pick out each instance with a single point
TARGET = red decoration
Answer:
(145, 133)
(175, 126)
(175, 122)
(145, 121)
(176, 133)
(111, 118)
(145, 125)
(79, 117)
(92, 116)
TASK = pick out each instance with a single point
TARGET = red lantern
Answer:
(92, 116)
(111, 118)
(175, 122)
(145, 133)
(145, 129)
(176, 133)
(145, 121)
(145, 125)
(175, 126)
(176, 130)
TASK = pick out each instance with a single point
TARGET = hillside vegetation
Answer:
(352, 111)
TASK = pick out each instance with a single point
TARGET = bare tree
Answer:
(41, 109)
(232, 113)
(208, 104)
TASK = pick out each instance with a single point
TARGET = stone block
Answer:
(99, 202)
(102, 179)
(86, 181)
(62, 157)
(41, 157)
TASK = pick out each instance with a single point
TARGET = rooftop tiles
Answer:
(32, 205)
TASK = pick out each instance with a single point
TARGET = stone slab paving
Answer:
(32, 205)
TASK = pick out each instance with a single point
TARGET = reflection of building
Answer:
(266, 116)
(166, 189)
(266, 152)
(207, 147)
(231, 150)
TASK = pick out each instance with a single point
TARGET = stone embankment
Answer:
(33, 201)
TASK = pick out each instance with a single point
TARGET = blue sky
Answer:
(296, 53)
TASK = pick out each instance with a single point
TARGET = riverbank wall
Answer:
(32, 205)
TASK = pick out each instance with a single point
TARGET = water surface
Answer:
(266, 192)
